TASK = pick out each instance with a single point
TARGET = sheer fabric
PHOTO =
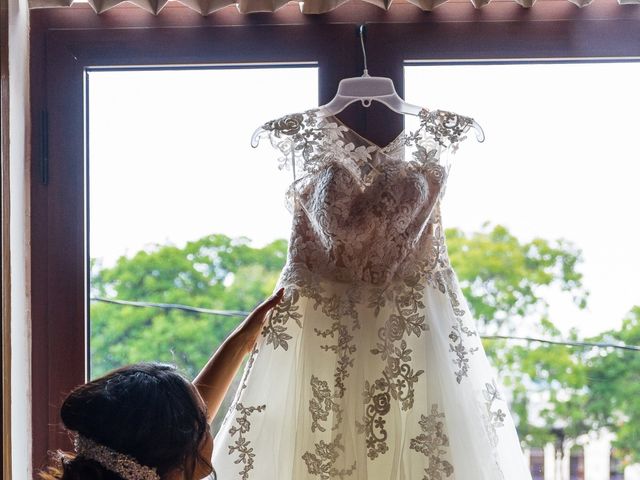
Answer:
(371, 366)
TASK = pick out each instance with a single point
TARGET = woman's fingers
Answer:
(268, 304)
(256, 318)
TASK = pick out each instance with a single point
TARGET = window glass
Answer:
(542, 233)
(182, 210)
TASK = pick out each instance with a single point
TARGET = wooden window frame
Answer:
(66, 41)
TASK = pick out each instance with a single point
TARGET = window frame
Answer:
(66, 41)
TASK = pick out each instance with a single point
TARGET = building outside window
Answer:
(576, 464)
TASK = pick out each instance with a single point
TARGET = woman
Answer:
(148, 422)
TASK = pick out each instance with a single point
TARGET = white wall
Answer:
(19, 204)
(596, 457)
(632, 472)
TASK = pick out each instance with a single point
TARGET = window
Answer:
(175, 183)
(75, 54)
(61, 261)
(542, 162)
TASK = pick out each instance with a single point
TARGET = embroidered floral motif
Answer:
(460, 350)
(246, 454)
(321, 463)
(343, 349)
(432, 443)
(373, 425)
(309, 143)
(276, 325)
(459, 331)
(447, 128)
(242, 444)
(322, 404)
(398, 378)
(495, 416)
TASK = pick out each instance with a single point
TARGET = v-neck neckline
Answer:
(402, 134)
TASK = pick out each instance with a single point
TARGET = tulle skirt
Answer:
(370, 386)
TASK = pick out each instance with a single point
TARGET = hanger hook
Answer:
(362, 30)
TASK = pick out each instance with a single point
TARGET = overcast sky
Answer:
(171, 161)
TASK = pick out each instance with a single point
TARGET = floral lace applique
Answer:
(447, 128)
(495, 416)
(321, 462)
(315, 139)
(242, 445)
(398, 378)
(433, 443)
(276, 325)
(338, 308)
(344, 349)
(358, 218)
(458, 332)
(325, 455)
(309, 142)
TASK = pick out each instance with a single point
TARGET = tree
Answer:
(506, 282)
(614, 387)
(214, 272)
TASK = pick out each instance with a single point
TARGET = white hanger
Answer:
(366, 88)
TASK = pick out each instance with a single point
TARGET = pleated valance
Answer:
(206, 7)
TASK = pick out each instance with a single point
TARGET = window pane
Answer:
(556, 180)
(182, 209)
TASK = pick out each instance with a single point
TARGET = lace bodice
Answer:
(362, 213)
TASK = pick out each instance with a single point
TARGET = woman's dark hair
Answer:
(147, 410)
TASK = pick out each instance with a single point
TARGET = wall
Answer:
(19, 208)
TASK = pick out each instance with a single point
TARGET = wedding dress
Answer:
(370, 367)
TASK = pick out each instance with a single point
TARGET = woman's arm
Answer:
(214, 379)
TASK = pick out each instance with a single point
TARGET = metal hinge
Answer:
(44, 147)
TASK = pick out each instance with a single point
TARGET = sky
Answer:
(170, 160)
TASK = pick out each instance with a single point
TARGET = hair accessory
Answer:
(124, 465)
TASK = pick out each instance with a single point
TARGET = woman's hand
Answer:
(214, 379)
(251, 327)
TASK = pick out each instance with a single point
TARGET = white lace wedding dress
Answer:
(371, 367)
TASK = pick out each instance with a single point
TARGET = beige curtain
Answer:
(206, 7)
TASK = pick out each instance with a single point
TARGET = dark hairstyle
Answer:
(147, 410)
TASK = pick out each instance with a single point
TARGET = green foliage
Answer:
(214, 272)
(505, 282)
(614, 386)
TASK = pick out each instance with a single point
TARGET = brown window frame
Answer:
(66, 41)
